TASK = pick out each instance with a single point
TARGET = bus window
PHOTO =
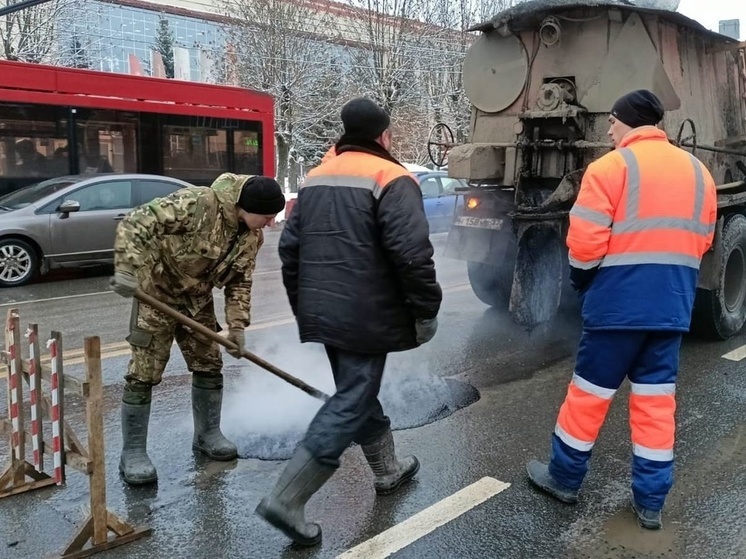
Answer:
(195, 154)
(33, 143)
(247, 152)
(107, 141)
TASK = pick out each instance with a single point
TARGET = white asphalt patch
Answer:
(737, 354)
(400, 536)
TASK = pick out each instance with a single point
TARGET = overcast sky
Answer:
(710, 12)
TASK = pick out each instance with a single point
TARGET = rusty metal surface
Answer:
(525, 12)
(495, 72)
(607, 56)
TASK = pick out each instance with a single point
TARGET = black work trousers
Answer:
(353, 413)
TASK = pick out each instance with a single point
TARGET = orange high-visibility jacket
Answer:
(644, 217)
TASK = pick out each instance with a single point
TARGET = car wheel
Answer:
(19, 262)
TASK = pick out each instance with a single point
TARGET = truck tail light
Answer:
(472, 202)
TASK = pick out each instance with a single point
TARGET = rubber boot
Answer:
(539, 475)
(208, 439)
(648, 519)
(391, 473)
(284, 507)
(135, 466)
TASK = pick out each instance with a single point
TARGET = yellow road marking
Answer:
(120, 349)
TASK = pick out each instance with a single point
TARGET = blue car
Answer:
(439, 198)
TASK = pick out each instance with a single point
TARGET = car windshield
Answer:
(30, 194)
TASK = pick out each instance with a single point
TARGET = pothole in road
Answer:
(409, 402)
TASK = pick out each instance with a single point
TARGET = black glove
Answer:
(581, 279)
(425, 329)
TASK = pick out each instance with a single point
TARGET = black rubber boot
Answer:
(648, 519)
(391, 473)
(208, 439)
(135, 466)
(539, 475)
(284, 507)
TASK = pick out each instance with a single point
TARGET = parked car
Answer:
(439, 197)
(69, 222)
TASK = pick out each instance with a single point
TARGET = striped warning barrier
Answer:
(65, 447)
(16, 397)
(34, 396)
(57, 443)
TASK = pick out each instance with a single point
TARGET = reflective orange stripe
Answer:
(356, 170)
(582, 414)
(651, 419)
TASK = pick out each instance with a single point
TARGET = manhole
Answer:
(410, 402)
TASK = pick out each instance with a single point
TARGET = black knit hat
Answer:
(363, 118)
(261, 195)
(639, 108)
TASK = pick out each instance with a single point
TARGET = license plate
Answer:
(479, 222)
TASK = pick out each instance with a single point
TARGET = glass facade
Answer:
(105, 35)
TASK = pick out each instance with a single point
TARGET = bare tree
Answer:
(29, 35)
(383, 67)
(444, 78)
(276, 47)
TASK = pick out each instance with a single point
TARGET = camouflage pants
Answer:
(151, 336)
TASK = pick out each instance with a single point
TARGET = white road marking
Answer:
(400, 536)
(62, 298)
(737, 354)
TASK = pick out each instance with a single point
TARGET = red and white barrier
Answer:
(14, 384)
(34, 396)
(21, 475)
(59, 474)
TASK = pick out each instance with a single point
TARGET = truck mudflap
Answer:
(537, 279)
(479, 239)
(710, 269)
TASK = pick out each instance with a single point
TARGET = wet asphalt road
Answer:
(205, 510)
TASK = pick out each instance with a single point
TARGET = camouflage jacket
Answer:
(182, 246)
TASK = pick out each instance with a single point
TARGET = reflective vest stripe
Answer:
(366, 183)
(590, 388)
(575, 263)
(633, 222)
(653, 389)
(599, 218)
(633, 183)
(353, 169)
(633, 258)
(651, 223)
(652, 454)
(571, 441)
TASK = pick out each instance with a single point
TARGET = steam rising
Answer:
(267, 418)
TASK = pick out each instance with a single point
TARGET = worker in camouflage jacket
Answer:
(178, 249)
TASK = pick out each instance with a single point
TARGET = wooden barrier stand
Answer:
(65, 448)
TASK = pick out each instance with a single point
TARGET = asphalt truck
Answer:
(541, 79)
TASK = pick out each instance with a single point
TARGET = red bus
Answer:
(60, 121)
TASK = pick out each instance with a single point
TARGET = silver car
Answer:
(69, 221)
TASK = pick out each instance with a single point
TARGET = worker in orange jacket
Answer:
(644, 217)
